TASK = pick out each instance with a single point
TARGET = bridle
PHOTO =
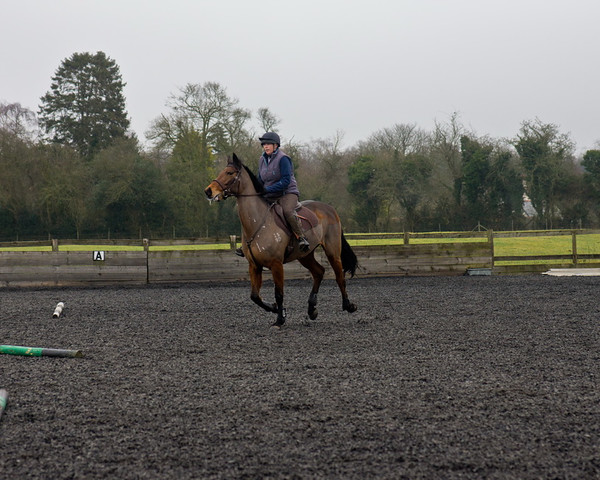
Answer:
(226, 189)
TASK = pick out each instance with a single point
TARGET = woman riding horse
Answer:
(276, 174)
(267, 240)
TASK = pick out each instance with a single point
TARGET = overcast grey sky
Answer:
(324, 66)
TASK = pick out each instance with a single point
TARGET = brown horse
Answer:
(268, 243)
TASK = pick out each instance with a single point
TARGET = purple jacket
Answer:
(277, 174)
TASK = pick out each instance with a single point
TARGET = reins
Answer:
(249, 241)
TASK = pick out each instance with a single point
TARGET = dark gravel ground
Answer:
(433, 377)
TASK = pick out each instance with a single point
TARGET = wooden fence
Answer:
(471, 252)
(150, 264)
(528, 264)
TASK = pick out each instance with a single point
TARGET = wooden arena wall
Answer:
(64, 268)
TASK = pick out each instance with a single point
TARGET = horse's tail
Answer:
(349, 260)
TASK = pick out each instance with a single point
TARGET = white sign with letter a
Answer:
(98, 256)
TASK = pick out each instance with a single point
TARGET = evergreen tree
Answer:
(189, 170)
(547, 160)
(366, 206)
(591, 163)
(492, 188)
(85, 107)
(591, 181)
(129, 196)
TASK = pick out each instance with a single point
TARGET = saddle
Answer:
(307, 218)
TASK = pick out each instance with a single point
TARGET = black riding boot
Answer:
(303, 243)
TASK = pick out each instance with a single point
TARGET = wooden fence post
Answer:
(491, 242)
(55, 244)
(574, 243)
(406, 238)
(146, 244)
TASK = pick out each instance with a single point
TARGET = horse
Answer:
(267, 242)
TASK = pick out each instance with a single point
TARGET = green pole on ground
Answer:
(39, 352)
(3, 399)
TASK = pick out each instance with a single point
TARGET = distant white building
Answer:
(528, 209)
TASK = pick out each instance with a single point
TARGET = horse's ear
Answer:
(236, 161)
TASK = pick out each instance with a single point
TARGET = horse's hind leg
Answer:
(340, 278)
(317, 271)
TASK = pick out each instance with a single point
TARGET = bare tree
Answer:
(323, 173)
(206, 109)
(268, 121)
(446, 147)
(18, 121)
(400, 138)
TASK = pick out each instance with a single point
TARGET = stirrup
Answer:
(239, 252)
(304, 244)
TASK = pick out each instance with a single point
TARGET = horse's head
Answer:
(227, 183)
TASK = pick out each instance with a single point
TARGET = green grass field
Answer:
(546, 245)
(510, 246)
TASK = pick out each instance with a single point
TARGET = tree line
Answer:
(74, 169)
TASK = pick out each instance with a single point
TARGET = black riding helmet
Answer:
(270, 137)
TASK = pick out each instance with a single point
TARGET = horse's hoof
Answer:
(280, 319)
(349, 307)
(312, 315)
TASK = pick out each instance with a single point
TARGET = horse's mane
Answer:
(257, 185)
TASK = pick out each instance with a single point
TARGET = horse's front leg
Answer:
(277, 272)
(256, 284)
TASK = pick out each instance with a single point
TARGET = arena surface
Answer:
(433, 377)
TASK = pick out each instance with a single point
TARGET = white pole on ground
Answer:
(3, 400)
(58, 310)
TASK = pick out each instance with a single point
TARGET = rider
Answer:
(276, 173)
